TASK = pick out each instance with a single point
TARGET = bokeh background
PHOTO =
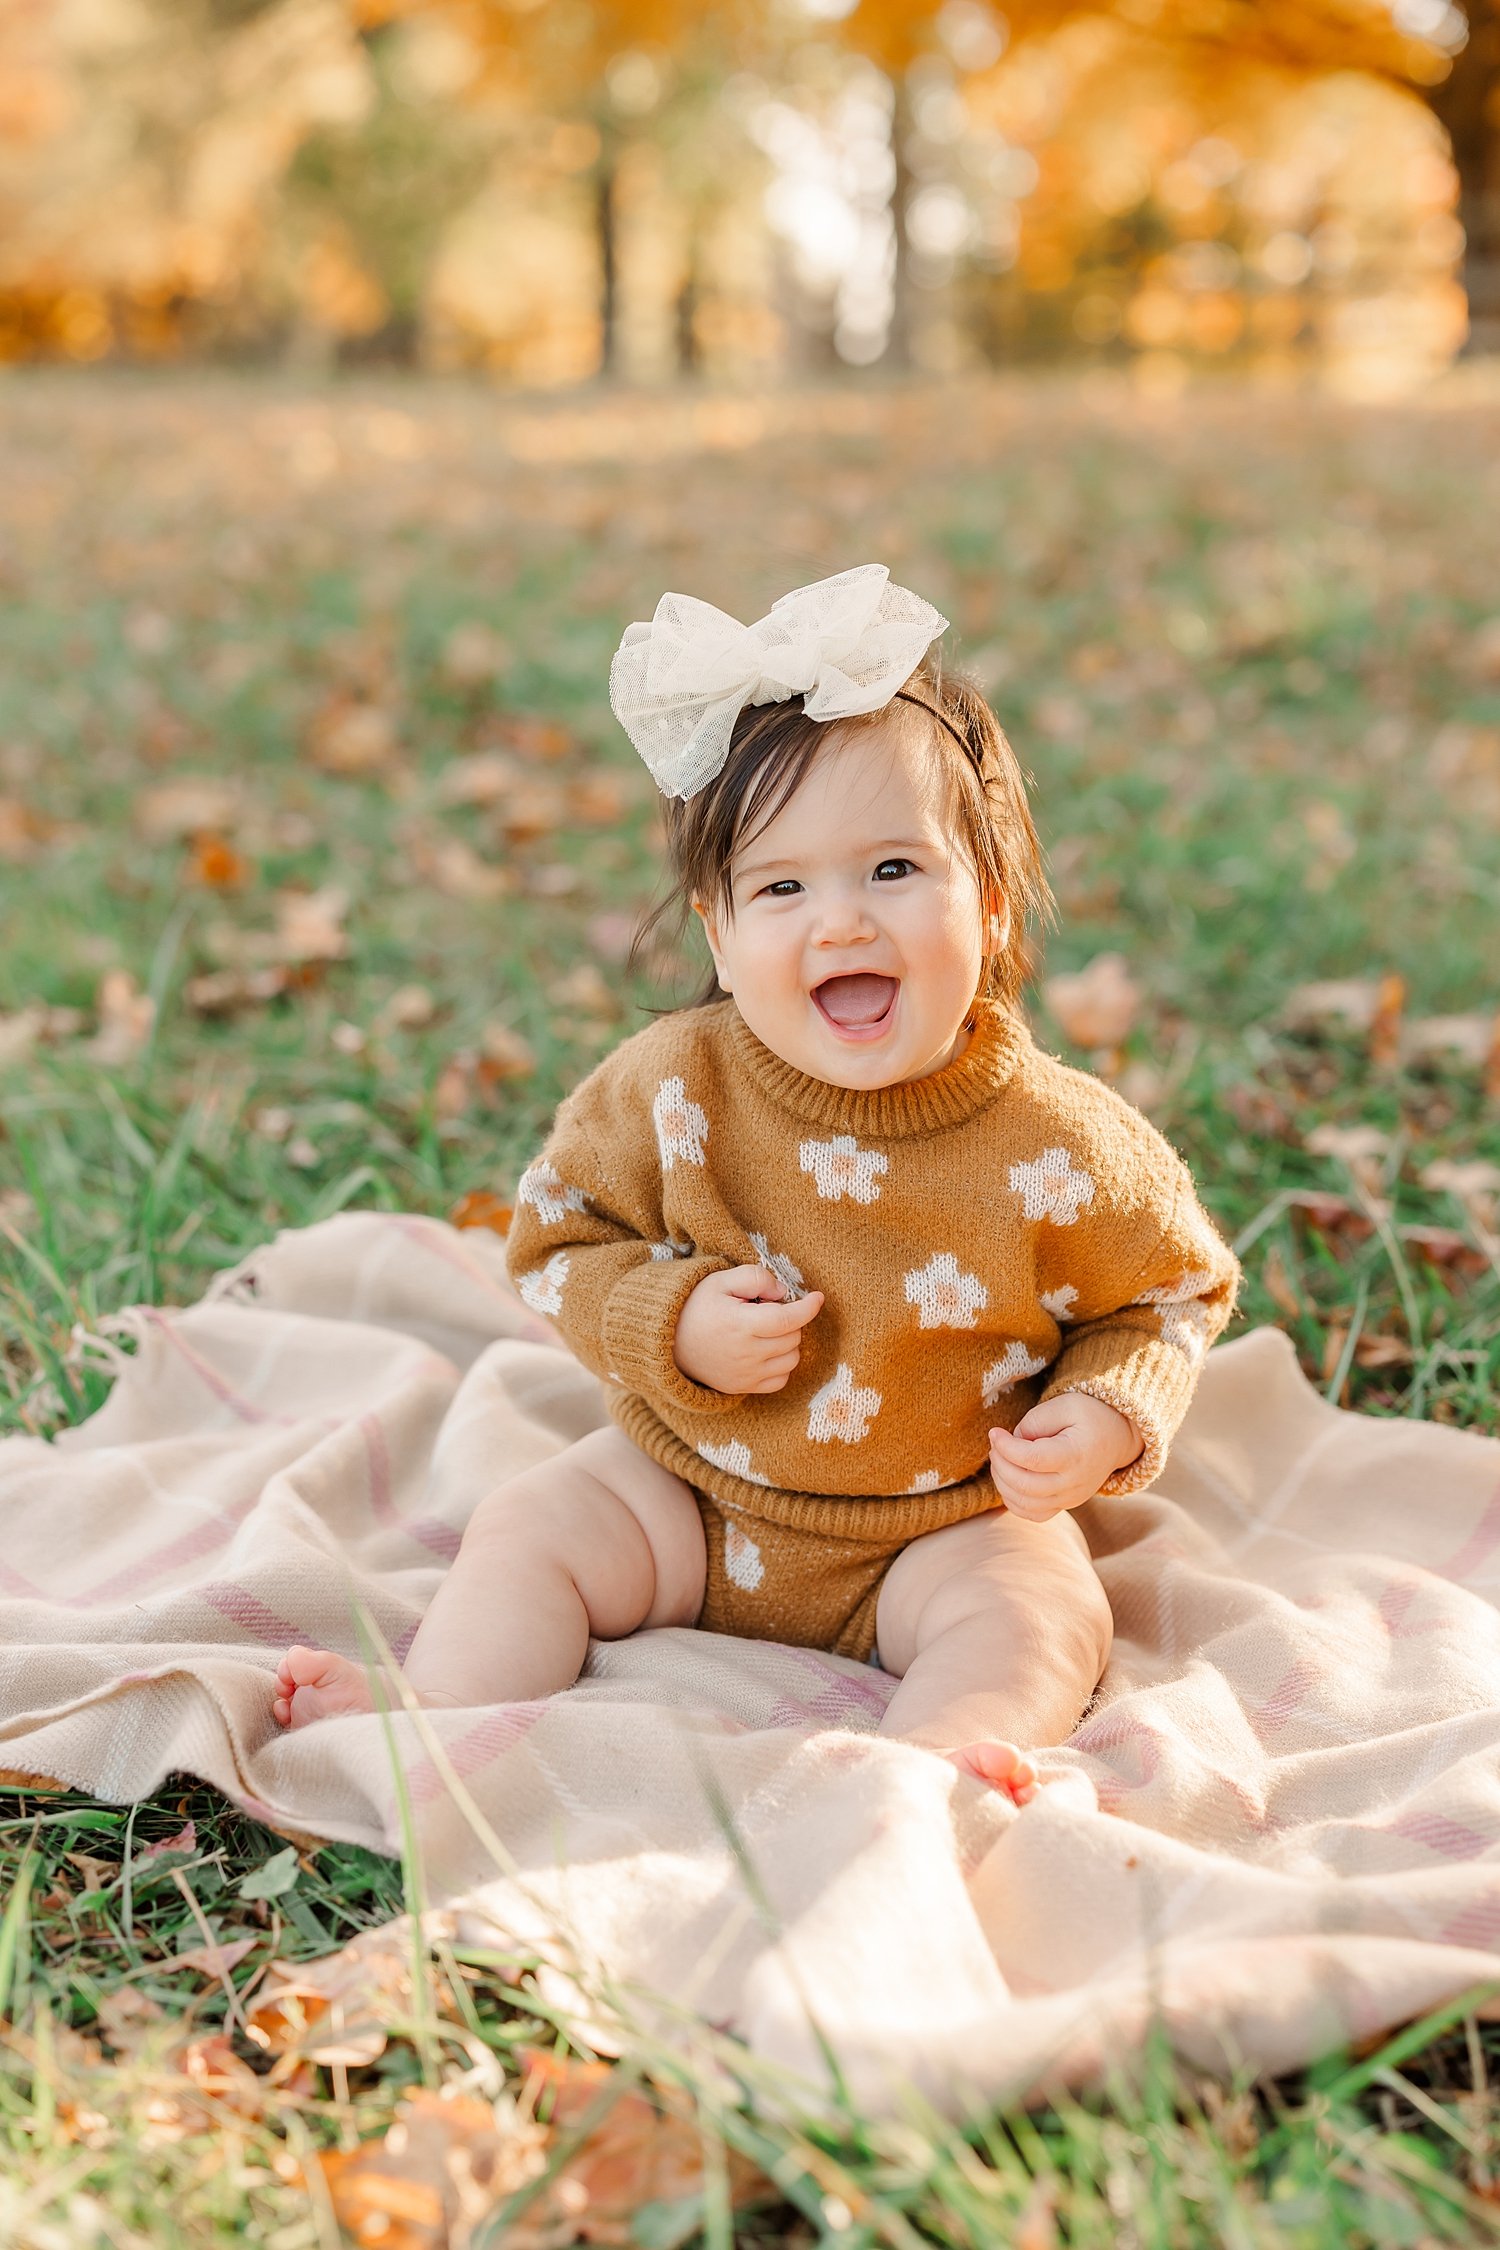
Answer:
(548, 190)
(369, 365)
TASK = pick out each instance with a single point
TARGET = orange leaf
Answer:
(1385, 1029)
(215, 865)
(481, 1209)
(435, 2176)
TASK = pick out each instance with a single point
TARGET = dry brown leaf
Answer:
(1276, 1279)
(1341, 1000)
(351, 737)
(1385, 1026)
(215, 865)
(1333, 1216)
(1468, 1039)
(481, 1209)
(435, 2177)
(224, 992)
(545, 739)
(22, 831)
(1097, 1008)
(473, 655)
(454, 867)
(1382, 1351)
(532, 810)
(19, 1034)
(410, 1007)
(1484, 649)
(1351, 1144)
(503, 1053)
(585, 990)
(638, 2151)
(214, 1960)
(310, 925)
(599, 799)
(1475, 1183)
(189, 804)
(1450, 1252)
(486, 777)
(125, 1014)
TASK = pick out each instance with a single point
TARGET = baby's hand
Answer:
(1059, 1454)
(737, 1333)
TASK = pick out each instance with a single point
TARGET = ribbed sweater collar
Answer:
(925, 1105)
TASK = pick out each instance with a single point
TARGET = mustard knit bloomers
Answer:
(1002, 1231)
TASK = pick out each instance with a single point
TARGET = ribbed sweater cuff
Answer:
(640, 1322)
(1149, 1382)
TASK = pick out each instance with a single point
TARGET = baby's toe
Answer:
(1000, 1764)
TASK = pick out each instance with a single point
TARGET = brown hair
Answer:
(771, 750)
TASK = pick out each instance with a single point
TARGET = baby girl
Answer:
(878, 1291)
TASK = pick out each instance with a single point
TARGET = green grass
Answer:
(1240, 643)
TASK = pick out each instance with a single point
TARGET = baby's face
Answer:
(855, 947)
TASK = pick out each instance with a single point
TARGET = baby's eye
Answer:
(784, 889)
(892, 869)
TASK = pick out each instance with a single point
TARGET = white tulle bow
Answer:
(678, 684)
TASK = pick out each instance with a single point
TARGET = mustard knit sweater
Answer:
(1003, 1230)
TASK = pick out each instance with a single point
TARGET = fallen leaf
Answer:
(1344, 1000)
(1333, 1215)
(215, 865)
(410, 1007)
(1276, 1279)
(1383, 1351)
(1442, 1247)
(1475, 1183)
(454, 867)
(339, 2008)
(351, 737)
(223, 992)
(486, 777)
(1484, 649)
(1468, 1039)
(125, 1014)
(503, 1053)
(185, 1841)
(436, 2175)
(473, 655)
(1352, 1144)
(214, 1960)
(272, 1878)
(189, 805)
(584, 988)
(1385, 1025)
(546, 739)
(532, 810)
(599, 799)
(19, 1034)
(1097, 1008)
(310, 925)
(481, 1209)
(638, 2152)
(22, 831)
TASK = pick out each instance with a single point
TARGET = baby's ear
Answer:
(711, 932)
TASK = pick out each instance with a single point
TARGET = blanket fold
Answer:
(1278, 1828)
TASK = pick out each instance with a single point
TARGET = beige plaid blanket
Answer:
(1277, 1830)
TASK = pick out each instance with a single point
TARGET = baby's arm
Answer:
(589, 1248)
(1126, 1372)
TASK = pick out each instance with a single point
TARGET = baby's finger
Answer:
(755, 1285)
(784, 1320)
(1052, 1453)
(1037, 1510)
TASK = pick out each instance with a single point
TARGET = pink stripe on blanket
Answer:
(245, 1609)
(498, 1731)
(377, 1468)
(159, 1564)
(1477, 1925)
(1477, 1548)
(1450, 1839)
(209, 1377)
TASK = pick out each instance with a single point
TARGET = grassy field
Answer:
(319, 858)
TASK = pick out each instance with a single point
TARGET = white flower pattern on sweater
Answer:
(1059, 1302)
(734, 1459)
(543, 1289)
(841, 1167)
(777, 1262)
(742, 1559)
(1186, 1321)
(1016, 1364)
(681, 1125)
(925, 1480)
(944, 1295)
(541, 1186)
(842, 1408)
(1053, 1187)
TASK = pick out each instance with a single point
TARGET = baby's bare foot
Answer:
(1002, 1765)
(313, 1683)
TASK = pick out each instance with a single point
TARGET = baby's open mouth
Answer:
(857, 1003)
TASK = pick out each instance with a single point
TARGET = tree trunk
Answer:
(1467, 105)
(898, 350)
(605, 223)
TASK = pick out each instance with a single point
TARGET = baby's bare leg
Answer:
(999, 1631)
(598, 1540)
